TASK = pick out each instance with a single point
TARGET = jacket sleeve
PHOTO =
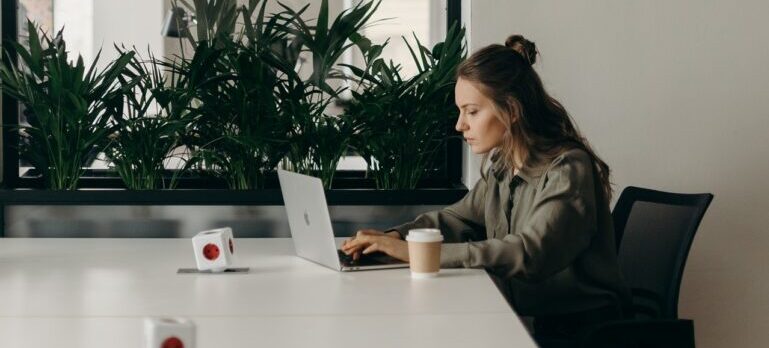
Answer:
(560, 227)
(459, 222)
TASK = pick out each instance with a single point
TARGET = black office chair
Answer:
(654, 231)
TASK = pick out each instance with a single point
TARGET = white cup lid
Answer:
(425, 235)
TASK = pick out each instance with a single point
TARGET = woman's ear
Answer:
(514, 108)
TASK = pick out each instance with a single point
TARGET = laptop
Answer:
(311, 231)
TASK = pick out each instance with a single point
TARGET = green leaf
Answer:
(203, 17)
(35, 49)
(321, 29)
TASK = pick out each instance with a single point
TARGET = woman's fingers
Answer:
(366, 244)
(353, 241)
(351, 244)
(371, 248)
(348, 243)
(355, 245)
(381, 243)
(349, 248)
(363, 244)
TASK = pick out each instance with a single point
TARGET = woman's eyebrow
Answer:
(467, 104)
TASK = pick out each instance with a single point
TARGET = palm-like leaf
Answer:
(230, 85)
(68, 108)
(318, 140)
(237, 128)
(327, 42)
(147, 130)
(401, 123)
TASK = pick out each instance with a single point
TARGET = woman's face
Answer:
(478, 118)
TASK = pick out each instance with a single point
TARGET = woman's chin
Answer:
(478, 150)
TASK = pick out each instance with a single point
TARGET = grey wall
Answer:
(170, 221)
(673, 95)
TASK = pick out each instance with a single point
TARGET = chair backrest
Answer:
(654, 231)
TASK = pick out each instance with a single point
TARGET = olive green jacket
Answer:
(545, 234)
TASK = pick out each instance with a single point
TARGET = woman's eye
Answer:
(472, 113)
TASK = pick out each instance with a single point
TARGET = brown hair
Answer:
(538, 127)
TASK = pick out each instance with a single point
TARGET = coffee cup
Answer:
(424, 252)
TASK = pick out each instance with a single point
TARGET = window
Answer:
(91, 26)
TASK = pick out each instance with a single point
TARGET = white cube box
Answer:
(214, 249)
(169, 333)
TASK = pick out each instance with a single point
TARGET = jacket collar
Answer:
(529, 173)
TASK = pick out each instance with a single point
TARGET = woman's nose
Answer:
(461, 125)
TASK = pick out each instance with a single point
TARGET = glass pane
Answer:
(94, 25)
(91, 26)
(396, 19)
(40, 12)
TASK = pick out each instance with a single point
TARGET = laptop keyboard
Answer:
(367, 260)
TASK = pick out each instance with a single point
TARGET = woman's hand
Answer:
(369, 241)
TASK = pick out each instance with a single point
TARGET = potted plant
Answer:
(68, 107)
(400, 122)
(241, 105)
(146, 130)
(256, 110)
(319, 140)
(238, 132)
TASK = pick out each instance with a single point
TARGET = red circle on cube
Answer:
(211, 251)
(232, 250)
(172, 342)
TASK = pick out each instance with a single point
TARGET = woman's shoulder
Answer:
(573, 155)
(573, 164)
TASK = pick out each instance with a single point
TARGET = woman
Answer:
(539, 221)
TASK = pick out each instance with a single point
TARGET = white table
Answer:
(95, 293)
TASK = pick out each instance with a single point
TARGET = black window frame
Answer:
(451, 166)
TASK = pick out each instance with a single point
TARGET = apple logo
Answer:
(307, 218)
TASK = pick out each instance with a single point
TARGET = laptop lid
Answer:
(311, 228)
(308, 218)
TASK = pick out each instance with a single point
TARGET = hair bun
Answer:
(524, 47)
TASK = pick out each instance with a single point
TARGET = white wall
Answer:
(673, 95)
(132, 23)
(76, 17)
(93, 25)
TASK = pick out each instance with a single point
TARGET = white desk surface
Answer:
(95, 293)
